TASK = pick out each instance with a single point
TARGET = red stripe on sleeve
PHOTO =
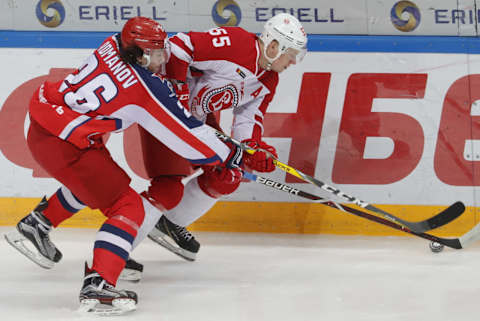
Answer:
(176, 40)
(269, 80)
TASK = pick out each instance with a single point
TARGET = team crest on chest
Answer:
(218, 98)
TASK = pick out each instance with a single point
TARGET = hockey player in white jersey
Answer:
(116, 86)
(218, 69)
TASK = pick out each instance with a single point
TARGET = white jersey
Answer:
(221, 69)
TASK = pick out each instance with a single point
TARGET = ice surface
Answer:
(256, 277)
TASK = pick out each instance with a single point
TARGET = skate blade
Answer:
(18, 241)
(118, 307)
(130, 275)
(165, 241)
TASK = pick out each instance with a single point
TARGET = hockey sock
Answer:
(112, 248)
(152, 215)
(61, 206)
(114, 240)
(194, 204)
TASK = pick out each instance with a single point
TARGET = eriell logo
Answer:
(50, 13)
(405, 16)
(229, 8)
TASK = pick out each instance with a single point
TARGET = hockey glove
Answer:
(183, 93)
(217, 181)
(225, 178)
(261, 160)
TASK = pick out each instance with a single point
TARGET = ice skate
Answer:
(132, 271)
(99, 297)
(31, 238)
(175, 238)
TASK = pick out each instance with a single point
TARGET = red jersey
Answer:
(108, 95)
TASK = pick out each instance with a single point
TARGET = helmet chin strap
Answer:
(270, 60)
(147, 60)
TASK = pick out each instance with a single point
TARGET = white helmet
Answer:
(289, 33)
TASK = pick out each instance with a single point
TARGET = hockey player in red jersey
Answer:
(222, 68)
(114, 88)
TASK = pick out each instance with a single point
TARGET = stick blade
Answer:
(446, 216)
(452, 243)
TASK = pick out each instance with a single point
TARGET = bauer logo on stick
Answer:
(277, 185)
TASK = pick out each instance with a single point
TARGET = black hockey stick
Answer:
(443, 218)
(455, 243)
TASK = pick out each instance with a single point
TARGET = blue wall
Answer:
(335, 43)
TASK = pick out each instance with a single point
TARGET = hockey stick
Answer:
(455, 243)
(438, 220)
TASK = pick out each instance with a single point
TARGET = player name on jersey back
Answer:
(119, 68)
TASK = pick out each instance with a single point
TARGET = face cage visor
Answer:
(161, 56)
(295, 55)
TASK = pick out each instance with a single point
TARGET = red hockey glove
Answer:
(225, 178)
(218, 180)
(183, 93)
(260, 161)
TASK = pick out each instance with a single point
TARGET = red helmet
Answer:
(144, 33)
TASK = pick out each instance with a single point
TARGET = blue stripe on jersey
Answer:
(160, 88)
(76, 198)
(117, 231)
(64, 202)
(118, 123)
(205, 160)
(73, 129)
(111, 248)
